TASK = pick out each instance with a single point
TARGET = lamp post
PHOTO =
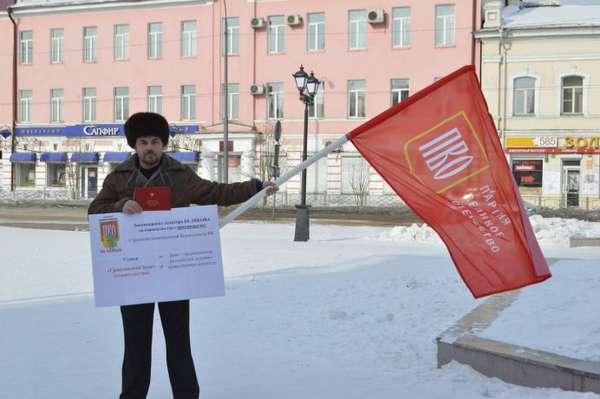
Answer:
(307, 87)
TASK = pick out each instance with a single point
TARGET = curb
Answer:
(512, 363)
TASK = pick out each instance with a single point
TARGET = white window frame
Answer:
(189, 42)
(155, 41)
(188, 103)
(121, 43)
(56, 45)
(317, 110)
(314, 32)
(535, 95)
(154, 100)
(121, 104)
(25, 106)
(357, 93)
(448, 35)
(89, 105)
(401, 28)
(233, 95)
(25, 48)
(360, 27)
(275, 101)
(276, 35)
(233, 35)
(584, 80)
(57, 98)
(89, 43)
(400, 91)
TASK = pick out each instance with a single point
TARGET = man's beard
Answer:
(150, 158)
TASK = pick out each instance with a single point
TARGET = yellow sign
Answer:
(582, 142)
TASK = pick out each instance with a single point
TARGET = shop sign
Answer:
(582, 142)
(91, 130)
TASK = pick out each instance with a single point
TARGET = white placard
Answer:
(156, 256)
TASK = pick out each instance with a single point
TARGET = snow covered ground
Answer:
(353, 313)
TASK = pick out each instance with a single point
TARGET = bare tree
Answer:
(359, 182)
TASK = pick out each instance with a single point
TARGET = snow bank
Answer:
(548, 231)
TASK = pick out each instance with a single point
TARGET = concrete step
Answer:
(512, 363)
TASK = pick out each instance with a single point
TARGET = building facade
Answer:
(83, 67)
(540, 73)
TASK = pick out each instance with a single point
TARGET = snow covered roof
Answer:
(569, 13)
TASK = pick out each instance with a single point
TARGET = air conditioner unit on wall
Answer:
(257, 90)
(257, 23)
(294, 20)
(376, 16)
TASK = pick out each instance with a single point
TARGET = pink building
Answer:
(84, 67)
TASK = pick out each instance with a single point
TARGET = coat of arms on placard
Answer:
(109, 233)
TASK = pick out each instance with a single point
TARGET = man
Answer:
(148, 133)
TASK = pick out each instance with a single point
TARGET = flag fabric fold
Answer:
(439, 151)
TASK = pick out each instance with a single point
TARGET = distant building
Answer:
(540, 73)
(85, 66)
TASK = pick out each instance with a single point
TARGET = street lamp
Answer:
(307, 87)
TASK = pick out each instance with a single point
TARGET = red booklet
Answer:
(153, 198)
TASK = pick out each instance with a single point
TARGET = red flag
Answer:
(439, 151)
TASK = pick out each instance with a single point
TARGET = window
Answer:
(444, 25)
(56, 105)
(57, 37)
(316, 176)
(524, 96)
(401, 27)
(357, 29)
(121, 101)
(276, 31)
(400, 90)
(572, 95)
(55, 174)
(357, 98)
(89, 104)
(233, 103)
(528, 172)
(26, 47)
(355, 176)
(275, 100)
(233, 35)
(154, 40)
(317, 110)
(121, 45)
(89, 44)
(188, 39)
(25, 105)
(155, 99)
(316, 31)
(25, 174)
(188, 102)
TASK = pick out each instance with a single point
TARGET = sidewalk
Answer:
(64, 216)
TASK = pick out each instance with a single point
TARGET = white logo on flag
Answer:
(444, 154)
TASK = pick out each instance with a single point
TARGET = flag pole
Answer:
(281, 180)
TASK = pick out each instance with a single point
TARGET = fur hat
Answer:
(143, 124)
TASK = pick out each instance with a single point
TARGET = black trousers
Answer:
(137, 327)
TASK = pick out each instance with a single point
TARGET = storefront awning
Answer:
(5, 133)
(53, 157)
(116, 156)
(85, 157)
(22, 157)
(184, 156)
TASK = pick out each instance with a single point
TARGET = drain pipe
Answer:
(13, 146)
(506, 45)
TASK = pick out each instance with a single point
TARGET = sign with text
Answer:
(156, 256)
